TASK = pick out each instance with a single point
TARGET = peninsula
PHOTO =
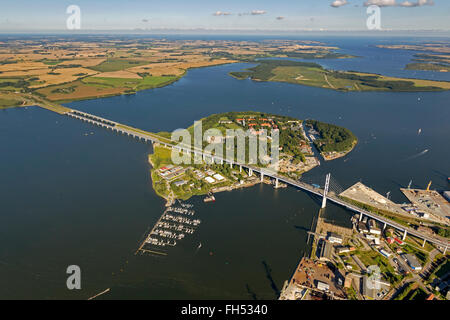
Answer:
(313, 74)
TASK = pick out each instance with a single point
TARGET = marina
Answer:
(174, 225)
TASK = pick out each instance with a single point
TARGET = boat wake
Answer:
(417, 155)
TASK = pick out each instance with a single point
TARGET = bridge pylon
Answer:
(325, 190)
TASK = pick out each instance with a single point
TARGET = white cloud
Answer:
(220, 13)
(393, 3)
(258, 12)
(253, 13)
(339, 3)
(418, 3)
(380, 3)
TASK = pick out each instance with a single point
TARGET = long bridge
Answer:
(331, 196)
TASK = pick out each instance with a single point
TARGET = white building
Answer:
(334, 238)
(218, 177)
(210, 180)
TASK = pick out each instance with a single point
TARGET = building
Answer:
(334, 238)
(323, 286)
(362, 227)
(374, 230)
(385, 253)
(326, 251)
(210, 180)
(344, 249)
(412, 261)
(180, 183)
(218, 177)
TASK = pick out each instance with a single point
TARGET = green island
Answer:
(430, 62)
(295, 152)
(313, 74)
(439, 67)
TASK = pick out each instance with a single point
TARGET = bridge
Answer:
(324, 193)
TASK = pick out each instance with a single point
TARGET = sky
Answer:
(276, 15)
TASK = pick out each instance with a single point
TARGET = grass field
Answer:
(135, 84)
(4, 103)
(117, 64)
(312, 74)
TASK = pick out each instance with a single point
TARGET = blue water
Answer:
(76, 194)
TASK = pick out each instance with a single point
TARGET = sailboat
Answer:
(420, 131)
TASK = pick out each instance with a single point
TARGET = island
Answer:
(297, 140)
(313, 74)
(434, 56)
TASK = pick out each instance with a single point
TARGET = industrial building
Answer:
(412, 261)
(334, 238)
(325, 251)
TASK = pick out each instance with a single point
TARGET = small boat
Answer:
(209, 198)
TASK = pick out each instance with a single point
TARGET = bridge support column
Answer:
(325, 191)
(360, 216)
(445, 250)
(276, 183)
(424, 241)
(231, 164)
(250, 172)
(240, 168)
(221, 161)
(404, 235)
(384, 227)
(262, 177)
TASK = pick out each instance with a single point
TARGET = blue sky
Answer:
(279, 15)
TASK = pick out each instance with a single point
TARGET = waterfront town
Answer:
(369, 261)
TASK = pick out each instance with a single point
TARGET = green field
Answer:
(428, 67)
(313, 74)
(5, 103)
(117, 64)
(148, 82)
